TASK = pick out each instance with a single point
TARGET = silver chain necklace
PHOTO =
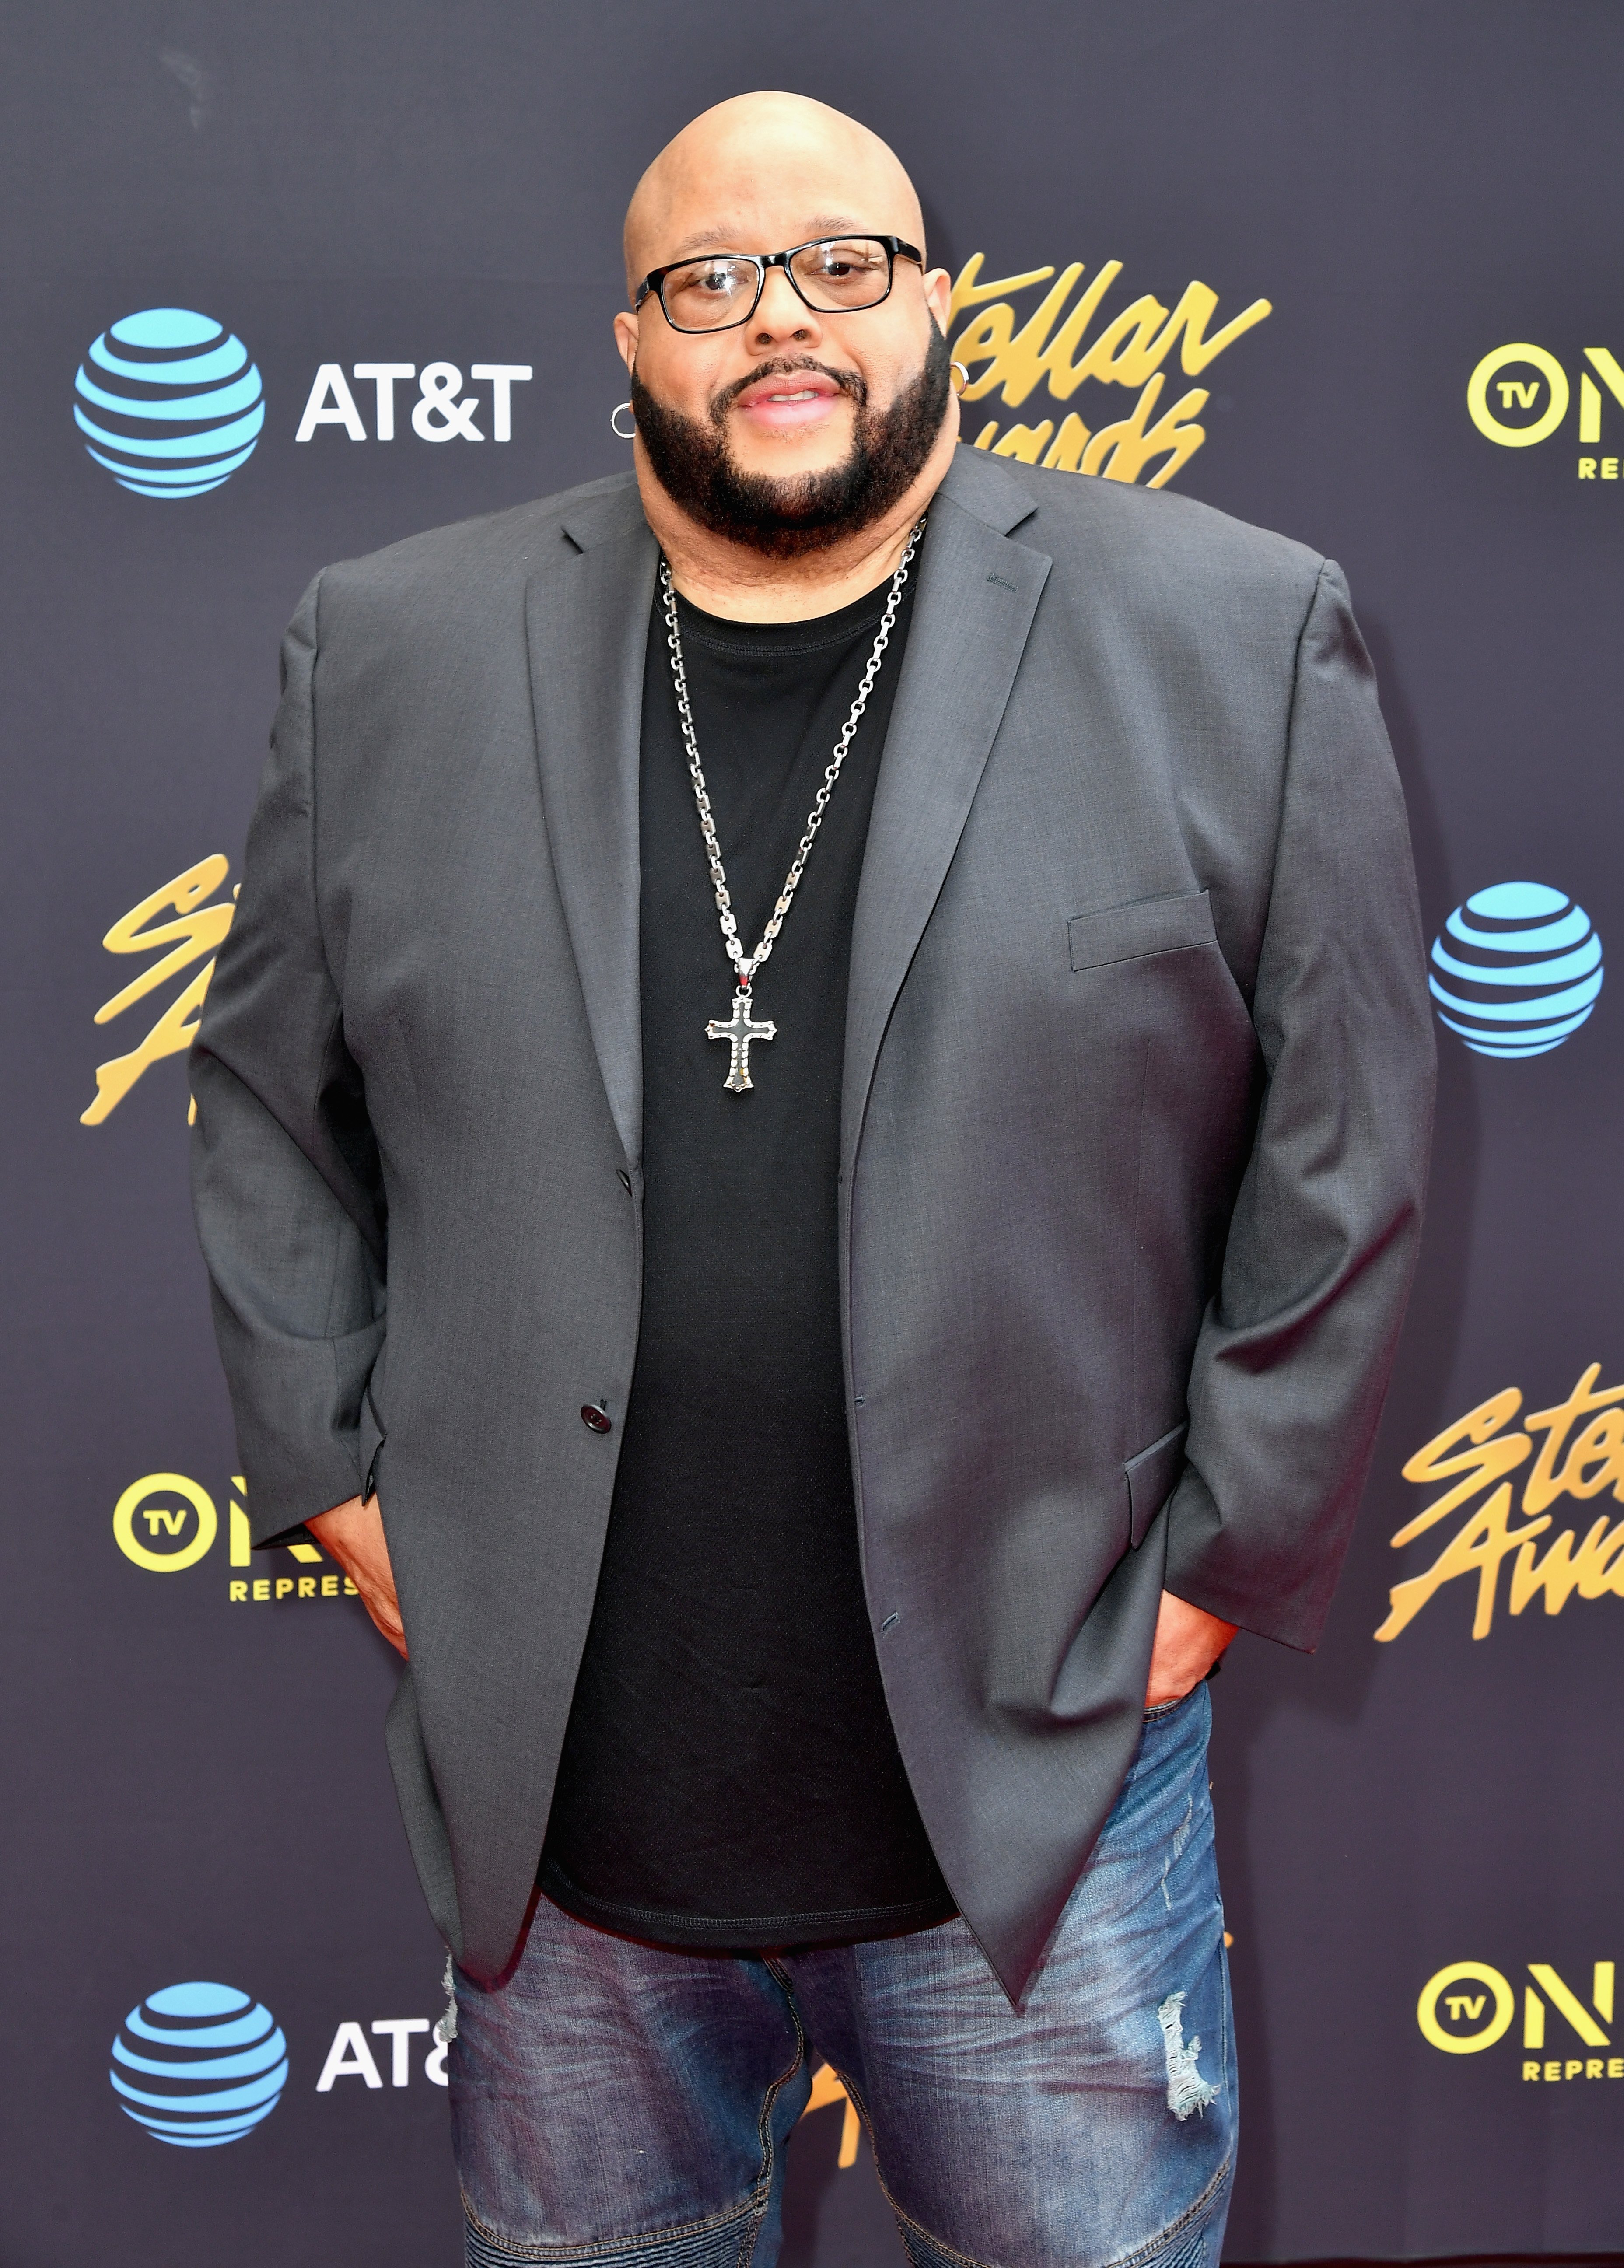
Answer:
(740, 1030)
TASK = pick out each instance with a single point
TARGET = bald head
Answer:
(794, 429)
(708, 188)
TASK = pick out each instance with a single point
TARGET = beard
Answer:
(788, 517)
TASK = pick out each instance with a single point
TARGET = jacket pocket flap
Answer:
(1152, 1476)
(1148, 925)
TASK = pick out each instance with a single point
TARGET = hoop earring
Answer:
(614, 421)
(957, 376)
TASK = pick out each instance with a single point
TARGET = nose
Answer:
(782, 315)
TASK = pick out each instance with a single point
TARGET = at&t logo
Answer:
(169, 402)
(1517, 970)
(198, 2064)
(1470, 2005)
(442, 411)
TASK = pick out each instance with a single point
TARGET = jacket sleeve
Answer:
(1292, 1361)
(285, 1175)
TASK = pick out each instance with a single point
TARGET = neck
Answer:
(743, 585)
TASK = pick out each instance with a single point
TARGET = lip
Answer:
(782, 404)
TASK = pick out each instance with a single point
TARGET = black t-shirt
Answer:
(730, 1777)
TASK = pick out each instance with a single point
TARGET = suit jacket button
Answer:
(599, 1420)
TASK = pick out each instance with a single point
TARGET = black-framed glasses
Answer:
(832, 275)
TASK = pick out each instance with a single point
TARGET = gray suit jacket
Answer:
(1135, 1107)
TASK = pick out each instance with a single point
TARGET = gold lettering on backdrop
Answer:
(199, 928)
(1581, 1454)
(827, 2086)
(1129, 350)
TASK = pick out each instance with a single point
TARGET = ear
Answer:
(626, 339)
(938, 287)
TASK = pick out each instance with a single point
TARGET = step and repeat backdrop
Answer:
(283, 284)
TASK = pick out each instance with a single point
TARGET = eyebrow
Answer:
(715, 238)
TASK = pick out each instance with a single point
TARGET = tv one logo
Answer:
(1470, 2007)
(1520, 396)
(165, 1522)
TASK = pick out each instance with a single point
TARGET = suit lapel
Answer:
(587, 623)
(978, 592)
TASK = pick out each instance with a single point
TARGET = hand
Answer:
(1189, 1641)
(353, 1533)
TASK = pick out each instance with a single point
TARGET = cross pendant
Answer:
(739, 1031)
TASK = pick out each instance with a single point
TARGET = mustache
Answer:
(851, 383)
(788, 517)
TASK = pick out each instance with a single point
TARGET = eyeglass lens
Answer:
(839, 274)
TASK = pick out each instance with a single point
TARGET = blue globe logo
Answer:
(1517, 969)
(170, 403)
(198, 2064)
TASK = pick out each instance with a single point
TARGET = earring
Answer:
(957, 376)
(614, 420)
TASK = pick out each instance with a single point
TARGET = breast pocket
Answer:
(1141, 929)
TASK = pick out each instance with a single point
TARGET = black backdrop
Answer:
(196, 1786)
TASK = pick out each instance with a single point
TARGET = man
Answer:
(810, 1141)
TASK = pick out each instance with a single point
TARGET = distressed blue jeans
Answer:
(628, 2107)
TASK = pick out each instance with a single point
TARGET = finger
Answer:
(395, 1634)
(387, 1622)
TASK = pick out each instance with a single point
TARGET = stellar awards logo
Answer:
(170, 403)
(1580, 1454)
(201, 920)
(1058, 347)
(1517, 971)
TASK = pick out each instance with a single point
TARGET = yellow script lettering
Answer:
(1581, 1454)
(1475, 1549)
(1129, 351)
(1545, 1484)
(200, 929)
